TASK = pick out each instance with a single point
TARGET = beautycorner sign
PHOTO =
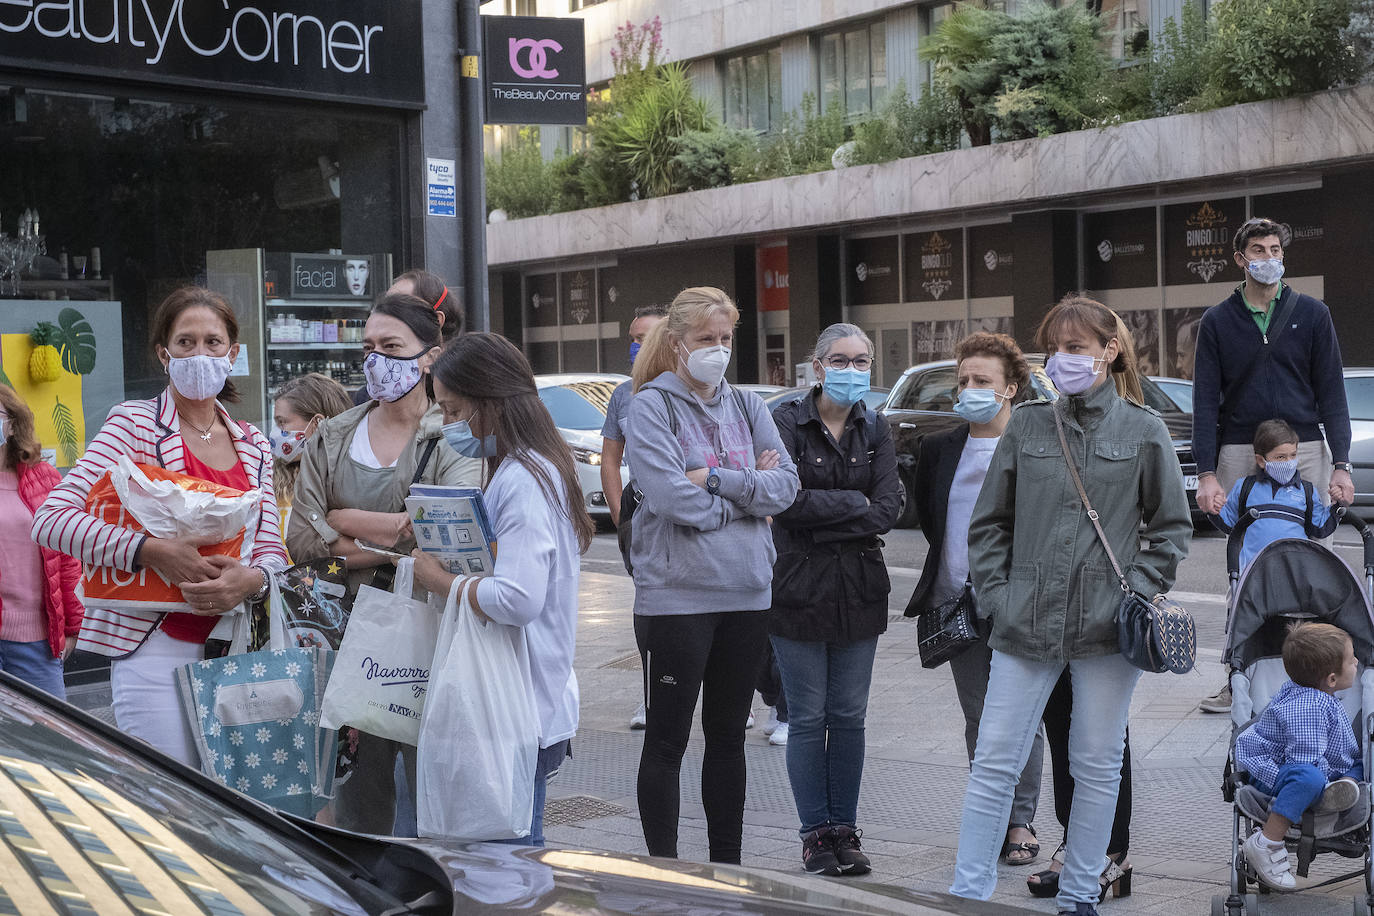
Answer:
(366, 51)
(535, 70)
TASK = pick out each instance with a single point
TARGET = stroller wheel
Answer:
(1250, 905)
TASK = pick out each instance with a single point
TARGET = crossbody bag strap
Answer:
(1083, 495)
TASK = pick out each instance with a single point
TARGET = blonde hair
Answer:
(689, 309)
(1079, 312)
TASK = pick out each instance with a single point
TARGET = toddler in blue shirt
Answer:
(1293, 509)
(1302, 750)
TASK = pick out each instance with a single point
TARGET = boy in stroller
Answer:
(1302, 749)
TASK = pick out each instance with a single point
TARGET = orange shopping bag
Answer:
(202, 511)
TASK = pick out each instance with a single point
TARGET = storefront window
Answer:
(132, 193)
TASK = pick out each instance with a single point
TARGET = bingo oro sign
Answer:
(535, 70)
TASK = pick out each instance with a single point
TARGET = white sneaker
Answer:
(772, 722)
(779, 736)
(749, 723)
(1268, 864)
(640, 719)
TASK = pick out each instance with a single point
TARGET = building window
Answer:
(753, 89)
(854, 69)
(575, 5)
(933, 16)
(1125, 25)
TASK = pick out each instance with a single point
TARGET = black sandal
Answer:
(1046, 883)
(1008, 847)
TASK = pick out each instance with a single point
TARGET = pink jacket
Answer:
(61, 573)
(147, 432)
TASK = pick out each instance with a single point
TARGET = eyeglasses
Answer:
(862, 363)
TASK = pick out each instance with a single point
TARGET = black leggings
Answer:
(717, 656)
(1058, 710)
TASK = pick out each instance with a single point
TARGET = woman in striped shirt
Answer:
(184, 429)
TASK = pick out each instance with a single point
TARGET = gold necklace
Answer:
(204, 433)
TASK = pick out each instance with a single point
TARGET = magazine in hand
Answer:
(451, 524)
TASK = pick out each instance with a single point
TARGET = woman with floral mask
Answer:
(184, 429)
(830, 589)
(1043, 577)
(299, 408)
(712, 468)
(354, 477)
(992, 375)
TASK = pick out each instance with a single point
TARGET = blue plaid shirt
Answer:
(1300, 725)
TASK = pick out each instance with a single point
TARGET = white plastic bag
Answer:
(380, 676)
(166, 510)
(479, 738)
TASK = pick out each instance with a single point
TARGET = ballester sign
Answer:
(536, 70)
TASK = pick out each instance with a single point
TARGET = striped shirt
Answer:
(147, 432)
(1300, 725)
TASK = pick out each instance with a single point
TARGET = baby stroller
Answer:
(1290, 581)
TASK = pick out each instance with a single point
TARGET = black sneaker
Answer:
(848, 852)
(818, 852)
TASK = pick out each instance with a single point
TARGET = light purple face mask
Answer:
(1073, 373)
(391, 378)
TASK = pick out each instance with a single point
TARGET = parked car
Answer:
(922, 402)
(1179, 390)
(98, 822)
(1359, 395)
(875, 399)
(578, 403)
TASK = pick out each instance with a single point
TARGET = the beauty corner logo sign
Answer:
(535, 70)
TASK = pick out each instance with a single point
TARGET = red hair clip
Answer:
(441, 299)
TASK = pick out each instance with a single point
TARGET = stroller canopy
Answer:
(1298, 577)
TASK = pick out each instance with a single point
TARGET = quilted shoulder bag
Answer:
(1155, 635)
(949, 628)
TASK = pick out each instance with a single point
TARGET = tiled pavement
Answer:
(915, 773)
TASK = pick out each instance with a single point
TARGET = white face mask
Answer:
(199, 377)
(707, 365)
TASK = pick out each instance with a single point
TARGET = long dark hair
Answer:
(189, 297)
(494, 375)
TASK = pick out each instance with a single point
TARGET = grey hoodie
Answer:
(694, 553)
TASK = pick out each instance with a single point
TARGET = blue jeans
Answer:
(549, 760)
(1018, 689)
(826, 685)
(32, 662)
(1298, 787)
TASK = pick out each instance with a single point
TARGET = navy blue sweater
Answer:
(1303, 382)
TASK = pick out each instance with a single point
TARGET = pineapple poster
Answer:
(65, 360)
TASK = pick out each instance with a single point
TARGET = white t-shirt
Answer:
(360, 449)
(534, 585)
(963, 493)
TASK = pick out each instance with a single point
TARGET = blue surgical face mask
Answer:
(1266, 271)
(1282, 472)
(634, 351)
(846, 387)
(461, 439)
(1073, 373)
(979, 405)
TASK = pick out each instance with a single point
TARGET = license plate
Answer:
(1190, 482)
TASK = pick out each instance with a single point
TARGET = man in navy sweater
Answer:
(1290, 341)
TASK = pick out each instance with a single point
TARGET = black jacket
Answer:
(1303, 382)
(829, 582)
(935, 467)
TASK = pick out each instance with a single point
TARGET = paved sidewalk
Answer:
(914, 776)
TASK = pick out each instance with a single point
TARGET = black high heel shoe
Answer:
(1046, 883)
(1116, 877)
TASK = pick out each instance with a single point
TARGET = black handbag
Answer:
(948, 629)
(1154, 635)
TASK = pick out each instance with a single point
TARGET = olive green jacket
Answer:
(330, 479)
(1038, 568)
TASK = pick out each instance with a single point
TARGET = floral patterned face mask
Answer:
(390, 378)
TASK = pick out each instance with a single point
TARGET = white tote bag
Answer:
(381, 673)
(479, 738)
